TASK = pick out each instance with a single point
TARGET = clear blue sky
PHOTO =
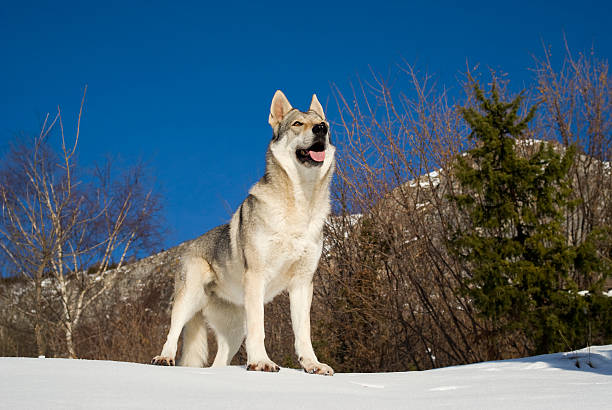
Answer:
(186, 87)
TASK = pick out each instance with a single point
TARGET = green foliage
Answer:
(520, 266)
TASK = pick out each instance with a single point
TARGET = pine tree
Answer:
(513, 248)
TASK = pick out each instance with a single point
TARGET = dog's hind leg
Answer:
(189, 299)
(195, 343)
(227, 320)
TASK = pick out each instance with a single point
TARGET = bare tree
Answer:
(576, 108)
(62, 228)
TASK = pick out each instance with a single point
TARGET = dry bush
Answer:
(132, 331)
(386, 284)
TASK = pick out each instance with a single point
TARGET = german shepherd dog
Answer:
(272, 243)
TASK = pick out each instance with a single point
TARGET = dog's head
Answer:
(304, 134)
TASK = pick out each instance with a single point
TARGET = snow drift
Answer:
(556, 381)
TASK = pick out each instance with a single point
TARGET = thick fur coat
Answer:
(272, 243)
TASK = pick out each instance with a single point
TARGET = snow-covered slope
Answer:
(541, 382)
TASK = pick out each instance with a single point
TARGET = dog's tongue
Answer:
(318, 156)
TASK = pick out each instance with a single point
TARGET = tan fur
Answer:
(272, 243)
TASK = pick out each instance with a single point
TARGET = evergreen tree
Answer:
(514, 249)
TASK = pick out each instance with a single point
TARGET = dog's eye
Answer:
(297, 124)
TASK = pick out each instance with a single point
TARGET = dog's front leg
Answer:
(300, 298)
(257, 358)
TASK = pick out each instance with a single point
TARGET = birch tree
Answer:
(61, 227)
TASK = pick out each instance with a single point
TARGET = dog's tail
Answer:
(195, 343)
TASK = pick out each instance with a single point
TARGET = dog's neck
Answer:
(306, 186)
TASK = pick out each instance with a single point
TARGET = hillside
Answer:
(540, 382)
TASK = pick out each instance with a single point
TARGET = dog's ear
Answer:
(315, 106)
(279, 108)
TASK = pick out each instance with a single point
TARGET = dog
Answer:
(272, 243)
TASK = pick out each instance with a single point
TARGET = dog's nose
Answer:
(320, 130)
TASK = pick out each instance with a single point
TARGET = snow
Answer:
(541, 382)
(431, 179)
(529, 141)
(586, 292)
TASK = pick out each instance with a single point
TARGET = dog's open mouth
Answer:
(314, 155)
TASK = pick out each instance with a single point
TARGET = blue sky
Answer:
(186, 87)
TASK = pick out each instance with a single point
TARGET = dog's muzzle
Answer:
(314, 155)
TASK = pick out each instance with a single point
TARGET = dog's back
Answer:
(214, 246)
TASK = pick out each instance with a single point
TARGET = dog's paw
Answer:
(263, 366)
(162, 361)
(314, 367)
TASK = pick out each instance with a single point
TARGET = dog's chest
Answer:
(298, 246)
(290, 257)
(294, 241)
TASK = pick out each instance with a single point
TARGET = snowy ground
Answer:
(541, 382)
